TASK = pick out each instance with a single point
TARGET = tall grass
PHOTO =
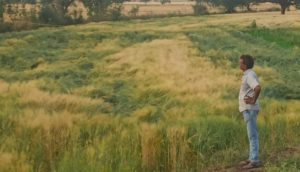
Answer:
(275, 52)
(154, 96)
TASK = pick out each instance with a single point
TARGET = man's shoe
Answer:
(245, 162)
(251, 165)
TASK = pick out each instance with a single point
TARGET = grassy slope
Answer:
(156, 95)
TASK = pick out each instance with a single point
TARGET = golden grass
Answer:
(143, 113)
(108, 45)
(5, 160)
(267, 74)
(179, 153)
(31, 96)
(13, 162)
(4, 86)
(41, 118)
(172, 65)
(150, 143)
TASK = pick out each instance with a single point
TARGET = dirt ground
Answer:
(274, 157)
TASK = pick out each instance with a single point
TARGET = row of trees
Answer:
(230, 5)
(57, 11)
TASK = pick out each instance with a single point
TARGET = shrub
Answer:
(48, 14)
(134, 11)
(200, 9)
(165, 1)
(6, 27)
(253, 24)
(116, 12)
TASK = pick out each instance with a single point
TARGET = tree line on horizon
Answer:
(230, 5)
(56, 12)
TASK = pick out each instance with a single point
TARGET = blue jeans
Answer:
(250, 117)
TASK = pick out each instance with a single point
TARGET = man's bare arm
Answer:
(252, 100)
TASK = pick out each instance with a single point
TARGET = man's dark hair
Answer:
(248, 61)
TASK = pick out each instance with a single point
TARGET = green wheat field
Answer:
(148, 95)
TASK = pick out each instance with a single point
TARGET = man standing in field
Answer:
(249, 107)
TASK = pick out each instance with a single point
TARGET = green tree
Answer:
(145, 1)
(55, 11)
(63, 5)
(284, 4)
(134, 11)
(201, 7)
(229, 5)
(165, 1)
(98, 9)
(2, 10)
(116, 11)
(247, 4)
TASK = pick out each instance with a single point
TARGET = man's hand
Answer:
(249, 100)
(252, 100)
